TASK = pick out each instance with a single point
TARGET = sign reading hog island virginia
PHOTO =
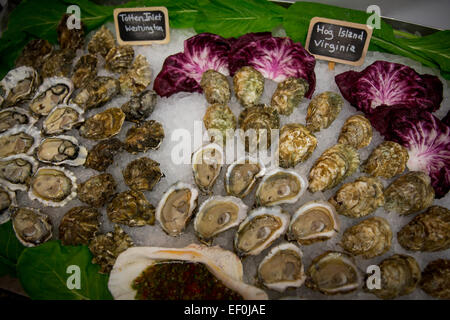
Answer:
(338, 41)
(142, 26)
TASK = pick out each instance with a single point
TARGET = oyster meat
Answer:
(85, 70)
(18, 86)
(332, 167)
(359, 198)
(16, 171)
(323, 110)
(53, 91)
(138, 76)
(260, 229)
(101, 156)
(207, 162)
(289, 94)
(280, 186)
(312, 222)
(176, 207)
(31, 226)
(387, 160)
(12, 117)
(140, 106)
(62, 118)
(220, 122)
(105, 248)
(218, 214)
(296, 144)
(20, 139)
(34, 54)
(101, 42)
(119, 59)
(7, 202)
(248, 86)
(59, 64)
(79, 226)
(97, 92)
(409, 193)
(61, 150)
(103, 125)
(144, 136)
(356, 131)
(428, 231)
(142, 174)
(215, 87)
(436, 279)
(369, 238)
(97, 190)
(332, 273)
(70, 38)
(282, 268)
(53, 186)
(131, 208)
(242, 175)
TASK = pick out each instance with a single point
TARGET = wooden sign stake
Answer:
(331, 65)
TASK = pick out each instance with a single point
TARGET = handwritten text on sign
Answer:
(338, 41)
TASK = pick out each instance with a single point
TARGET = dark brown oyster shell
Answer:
(70, 38)
(103, 125)
(101, 156)
(436, 279)
(119, 59)
(140, 106)
(34, 54)
(97, 190)
(85, 70)
(142, 174)
(102, 41)
(59, 64)
(144, 136)
(79, 226)
(97, 92)
(131, 208)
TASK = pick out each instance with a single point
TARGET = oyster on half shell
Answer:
(79, 226)
(207, 162)
(131, 208)
(296, 144)
(60, 150)
(16, 171)
(242, 175)
(53, 91)
(7, 203)
(31, 226)
(103, 125)
(12, 117)
(62, 118)
(20, 139)
(18, 86)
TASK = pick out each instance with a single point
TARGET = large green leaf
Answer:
(42, 271)
(10, 249)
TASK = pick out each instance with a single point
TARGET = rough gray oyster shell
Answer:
(119, 58)
(323, 110)
(20, 139)
(72, 39)
(16, 171)
(387, 160)
(103, 125)
(34, 54)
(248, 86)
(97, 190)
(140, 106)
(138, 77)
(215, 87)
(144, 136)
(101, 156)
(436, 279)
(296, 144)
(356, 131)
(85, 70)
(220, 122)
(31, 226)
(79, 226)
(18, 86)
(7, 203)
(12, 117)
(62, 118)
(101, 42)
(131, 208)
(97, 92)
(60, 150)
(142, 174)
(289, 94)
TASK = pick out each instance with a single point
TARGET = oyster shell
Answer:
(332, 167)
(138, 76)
(53, 186)
(248, 86)
(105, 248)
(220, 122)
(53, 91)
(409, 193)
(31, 226)
(97, 92)
(436, 279)
(223, 264)
(289, 94)
(259, 230)
(282, 268)
(97, 190)
(323, 110)
(257, 123)
(61, 149)
(103, 125)
(79, 226)
(333, 273)
(85, 70)
(358, 198)
(144, 136)
(142, 174)
(20, 139)
(207, 162)
(62, 118)
(387, 160)
(176, 207)
(218, 214)
(369, 238)
(34, 54)
(296, 144)
(18, 86)
(215, 87)
(119, 58)
(7, 203)
(101, 42)
(280, 186)
(241, 176)
(101, 156)
(356, 131)
(70, 38)
(314, 221)
(59, 64)
(16, 171)
(12, 117)
(140, 106)
(131, 208)
(428, 231)
(400, 274)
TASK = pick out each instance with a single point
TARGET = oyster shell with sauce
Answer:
(215, 87)
(323, 110)
(20, 139)
(356, 131)
(60, 150)
(296, 144)
(242, 175)
(62, 118)
(289, 94)
(140, 106)
(220, 122)
(7, 203)
(144, 136)
(31, 226)
(12, 117)
(18, 86)
(97, 190)
(85, 70)
(138, 77)
(131, 208)
(101, 156)
(52, 91)
(101, 42)
(436, 279)
(79, 226)
(387, 160)
(142, 174)
(16, 171)
(97, 92)
(248, 86)
(207, 162)
(119, 58)
(103, 125)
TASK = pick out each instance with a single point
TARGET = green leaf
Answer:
(42, 273)
(10, 249)
(230, 18)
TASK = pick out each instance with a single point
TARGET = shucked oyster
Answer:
(333, 166)
(248, 86)
(31, 226)
(260, 229)
(400, 274)
(16, 171)
(241, 176)
(296, 144)
(282, 268)
(34, 54)
(79, 226)
(312, 222)
(53, 91)
(356, 131)
(140, 106)
(176, 207)
(97, 190)
(70, 38)
(102, 41)
(7, 203)
(11, 117)
(218, 214)
(62, 118)
(220, 122)
(280, 186)
(101, 156)
(359, 198)
(59, 64)
(428, 231)
(103, 125)
(288, 95)
(61, 150)
(387, 160)
(138, 76)
(142, 174)
(370, 238)
(215, 87)
(85, 70)
(97, 92)
(207, 162)
(332, 273)
(323, 110)
(20, 139)
(119, 58)
(436, 279)
(18, 86)
(144, 136)
(410, 193)
(131, 208)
